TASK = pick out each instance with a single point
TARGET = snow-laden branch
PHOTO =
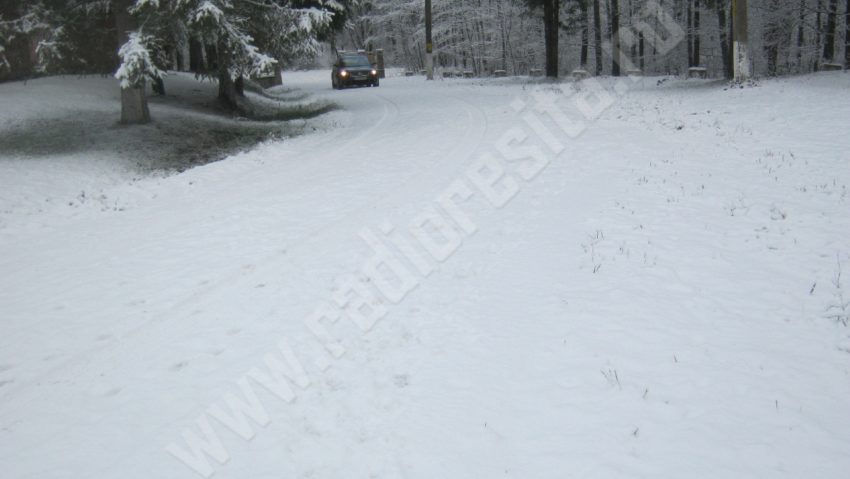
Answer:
(136, 62)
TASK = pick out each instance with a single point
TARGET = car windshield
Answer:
(356, 61)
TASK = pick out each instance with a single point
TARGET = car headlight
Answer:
(374, 72)
(343, 73)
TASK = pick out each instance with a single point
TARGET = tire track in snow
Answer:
(390, 110)
(355, 216)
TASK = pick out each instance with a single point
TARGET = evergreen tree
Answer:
(245, 38)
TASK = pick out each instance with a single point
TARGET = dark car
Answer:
(353, 69)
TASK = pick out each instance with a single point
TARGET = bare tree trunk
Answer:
(597, 36)
(847, 36)
(696, 57)
(740, 43)
(801, 35)
(829, 36)
(725, 50)
(773, 35)
(690, 33)
(226, 86)
(585, 32)
(278, 75)
(615, 38)
(818, 33)
(771, 53)
(134, 105)
(641, 50)
(551, 27)
(226, 89)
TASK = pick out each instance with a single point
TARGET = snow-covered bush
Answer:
(136, 61)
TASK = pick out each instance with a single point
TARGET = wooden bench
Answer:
(579, 74)
(698, 72)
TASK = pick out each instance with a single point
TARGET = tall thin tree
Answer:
(551, 27)
(585, 32)
(847, 35)
(740, 41)
(801, 22)
(829, 34)
(615, 38)
(597, 36)
(696, 57)
(725, 48)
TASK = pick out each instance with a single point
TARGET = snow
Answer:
(136, 63)
(663, 299)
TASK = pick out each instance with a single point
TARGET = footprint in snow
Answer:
(104, 390)
(179, 366)
(233, 331)
(401, 380)
(112, 392)
(5, 367)
(8, 381)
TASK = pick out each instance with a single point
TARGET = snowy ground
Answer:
(664, 299)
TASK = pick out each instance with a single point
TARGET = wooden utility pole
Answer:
(740, 47)
(429, 45)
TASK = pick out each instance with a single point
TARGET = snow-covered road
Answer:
(656, 303)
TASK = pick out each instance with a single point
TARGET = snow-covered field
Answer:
(667, 296)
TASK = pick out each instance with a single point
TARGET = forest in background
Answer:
(785, 36)
(228, 39)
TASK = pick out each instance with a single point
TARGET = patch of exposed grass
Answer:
(184, 132)
(297, 112)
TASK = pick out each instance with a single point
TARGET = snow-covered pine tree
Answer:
(137, 67)
(245, 36)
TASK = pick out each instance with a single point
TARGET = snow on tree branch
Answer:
(136, 62)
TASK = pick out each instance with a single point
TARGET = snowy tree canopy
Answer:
(31, 21)
(56, 36)
(136, 63)
(785, 36)
(248, 36)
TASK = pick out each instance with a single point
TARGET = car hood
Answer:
(357, 69)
